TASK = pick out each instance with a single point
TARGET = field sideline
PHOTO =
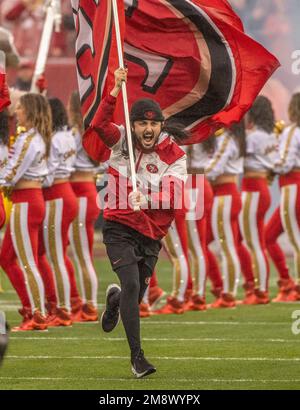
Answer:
(242, 348)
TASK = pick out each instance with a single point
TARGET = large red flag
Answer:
(96, 59)
(192, 56)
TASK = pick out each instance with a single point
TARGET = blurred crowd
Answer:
(25, 19)
(273, 23)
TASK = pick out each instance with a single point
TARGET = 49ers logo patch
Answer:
(149, 115)
(152, 168)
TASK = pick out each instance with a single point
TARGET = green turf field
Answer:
(242, 348)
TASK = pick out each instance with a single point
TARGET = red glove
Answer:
(4, 93)
(41, 83)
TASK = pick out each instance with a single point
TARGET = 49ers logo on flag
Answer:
(191, 56)
(95, 51)
(184, 72)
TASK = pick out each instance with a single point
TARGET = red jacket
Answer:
(165, 168)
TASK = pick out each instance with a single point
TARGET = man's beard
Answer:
(139, 143)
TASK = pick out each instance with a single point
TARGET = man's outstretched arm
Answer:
(102, 122)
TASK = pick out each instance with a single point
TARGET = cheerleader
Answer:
(3, 156)
(82, 228)
(176, 245)
(61, 210)
(288, 166)
(213, 269)
(274, 229)
(24, 171)
(4, 138)
(4, 102)
(198, 221)
(223, 171)
(261, 146)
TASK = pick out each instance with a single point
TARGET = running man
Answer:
(132, 238)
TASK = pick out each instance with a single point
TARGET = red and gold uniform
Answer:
(223, 171)
(82, 228)
(203, 261)
(19, 253)
(287, 216)
(3, 163)
(261, 148)
(61, 210)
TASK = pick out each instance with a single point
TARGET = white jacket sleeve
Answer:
(288, 152)
(24, 153)
(217, 164)
(54, 159)
(178, 169)
(77, 139)
(251, 143)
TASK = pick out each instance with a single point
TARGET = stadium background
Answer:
(274, 23)
(255, 341)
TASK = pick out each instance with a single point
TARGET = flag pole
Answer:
(53, 19)
(125, 99)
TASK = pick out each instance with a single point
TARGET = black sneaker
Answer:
(141, 367)
(111, 315)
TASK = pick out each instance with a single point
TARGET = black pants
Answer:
(133, 257)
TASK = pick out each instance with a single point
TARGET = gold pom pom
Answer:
(219, 132)
(279, 127)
